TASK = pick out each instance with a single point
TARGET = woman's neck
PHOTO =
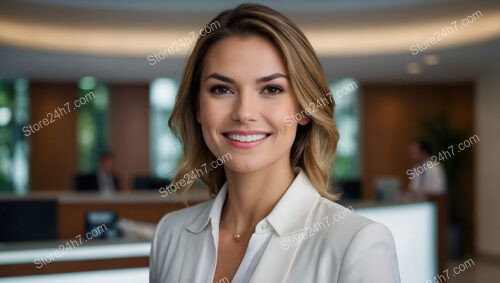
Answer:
(252, 196)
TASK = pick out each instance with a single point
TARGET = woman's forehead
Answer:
(238, 56)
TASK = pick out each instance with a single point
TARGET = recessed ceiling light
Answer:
(430, 59)
(413, 68)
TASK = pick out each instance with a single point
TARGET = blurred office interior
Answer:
(87, 86)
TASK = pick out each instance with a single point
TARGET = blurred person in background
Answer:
(106, 181)
(427, 177)
(103, 180)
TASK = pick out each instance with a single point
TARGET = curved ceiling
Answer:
(328, 42)
(213, 6)
(134, 30)
(112, 36)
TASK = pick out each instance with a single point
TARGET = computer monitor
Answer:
(28, 220)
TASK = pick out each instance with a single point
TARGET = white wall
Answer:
(487, 175)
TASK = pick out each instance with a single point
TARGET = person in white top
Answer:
(254, 115)
(427, 177)
(106, 182)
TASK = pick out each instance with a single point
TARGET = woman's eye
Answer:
(220, 90)
(272, 90)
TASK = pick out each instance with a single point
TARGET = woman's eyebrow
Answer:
(271, 77)
(220, 78)
(261, 80)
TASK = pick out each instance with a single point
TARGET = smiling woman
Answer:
(240, 83)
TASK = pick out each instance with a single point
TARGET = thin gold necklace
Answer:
(236, 237)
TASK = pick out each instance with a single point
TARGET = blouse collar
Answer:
(288, 216)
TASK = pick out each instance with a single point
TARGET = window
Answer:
(346, 95)
(92, 125)
(14, 147)
(165, 149)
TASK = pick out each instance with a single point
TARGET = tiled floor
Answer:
(474, 271)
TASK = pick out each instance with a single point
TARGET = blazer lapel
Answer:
(289, 219)
(276, 262)
(197, 240)
(194, 245)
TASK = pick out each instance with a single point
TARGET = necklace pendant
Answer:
(236, 237)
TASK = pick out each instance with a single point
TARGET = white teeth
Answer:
(247, 138)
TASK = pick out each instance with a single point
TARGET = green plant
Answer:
(440, 133)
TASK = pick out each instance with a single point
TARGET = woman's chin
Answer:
(244, 167)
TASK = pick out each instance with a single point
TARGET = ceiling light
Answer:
(413, 68)
(431, 60)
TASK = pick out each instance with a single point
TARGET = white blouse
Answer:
(305, 238)
(205, 269)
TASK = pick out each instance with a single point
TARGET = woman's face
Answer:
(245, 96)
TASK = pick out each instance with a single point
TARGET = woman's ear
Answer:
(304, 115)
(198, 119)
(304, 120)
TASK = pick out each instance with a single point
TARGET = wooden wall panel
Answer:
(53, 160)
(129, 131)
(53, 148)
(390, 116)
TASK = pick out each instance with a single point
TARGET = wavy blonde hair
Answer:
(315, 143)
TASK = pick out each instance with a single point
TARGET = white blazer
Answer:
(314, 240)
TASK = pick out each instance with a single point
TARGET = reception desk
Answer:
(69, 221)
(138, 206)
(142, 206)
(413, 224)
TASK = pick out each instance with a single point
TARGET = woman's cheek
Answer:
(213, 112)
(280, 117)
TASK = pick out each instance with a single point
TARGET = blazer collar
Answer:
(292, 211)
(288, 216)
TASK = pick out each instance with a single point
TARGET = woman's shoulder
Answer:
(176, 221)
(366, 247)
(345, 222)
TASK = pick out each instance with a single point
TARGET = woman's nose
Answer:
(245, 107)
